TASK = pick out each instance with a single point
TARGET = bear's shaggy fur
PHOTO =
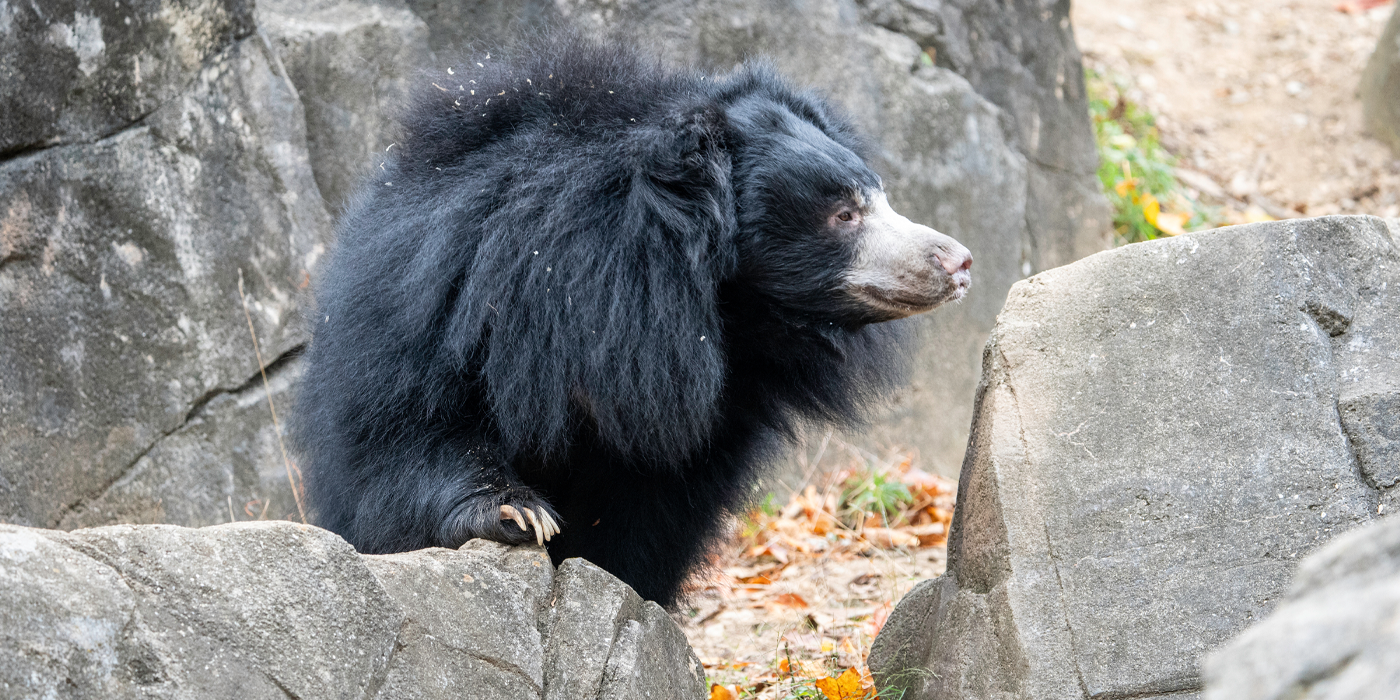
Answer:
(593, 287)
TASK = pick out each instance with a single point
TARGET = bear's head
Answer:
(815, 229)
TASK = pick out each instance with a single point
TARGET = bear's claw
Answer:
(544, 525)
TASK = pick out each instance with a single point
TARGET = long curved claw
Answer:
(509, 512)
(544, 525)
(548, 525)
(539, 530)
(551, 524)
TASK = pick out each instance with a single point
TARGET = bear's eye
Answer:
(845, 216)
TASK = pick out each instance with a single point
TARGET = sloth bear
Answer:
(586, 296)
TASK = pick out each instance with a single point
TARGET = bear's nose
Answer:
(954, 260)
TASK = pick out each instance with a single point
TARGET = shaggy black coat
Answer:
(585, 283)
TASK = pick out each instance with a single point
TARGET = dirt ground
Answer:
(1260, 96)
(740, 631)
(798, 584)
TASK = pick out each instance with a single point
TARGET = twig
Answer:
(267, 388)
(812, 468)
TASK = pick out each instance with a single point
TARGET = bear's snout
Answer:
(902, 268)
(955, 261)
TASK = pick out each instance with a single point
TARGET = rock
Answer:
(457, 25)
(82, 70)
(1157, 442)
(606, 636)
(1335, 634)
(1380, 87)
(62, 620)
(471, 627)
(1369, 422)
(277, 610)
(256, 610)
(120, 262)
(223, 464)
(351, 61)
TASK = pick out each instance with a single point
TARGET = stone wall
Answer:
(1162, 431)
(154, 155)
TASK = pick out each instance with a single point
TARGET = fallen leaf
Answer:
(1356, 7)
(886, 538)
(819, 621)
(777, 551)
(727, 665)
(719, 692)
(847, 686)
(1256, 214)
(1150, 207)
(1171, 223)
(877, 622)
(924, 480)
(789, 600)
(865, 579)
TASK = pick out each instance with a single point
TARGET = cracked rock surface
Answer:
(120, 261)
(1162, 431)
(1335, 636)
(279, 610)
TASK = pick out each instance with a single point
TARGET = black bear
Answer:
(586, 296)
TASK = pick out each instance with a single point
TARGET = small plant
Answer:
(1138, 175)
(770, 505)
(874, 491)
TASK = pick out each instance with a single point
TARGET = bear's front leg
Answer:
(511, 515)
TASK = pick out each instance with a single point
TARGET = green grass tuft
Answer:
(1137, 173)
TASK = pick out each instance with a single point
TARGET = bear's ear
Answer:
(604, 314)
(682, 172)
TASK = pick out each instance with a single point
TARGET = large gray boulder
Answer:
(351, 62)
(1335, 636)
(277, 610)
(1162, 431)
(120, 262)
(456, 26)
(1380, 87)
(82, 70)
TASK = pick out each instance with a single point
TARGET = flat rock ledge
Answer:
(280, 610)
(1162, 433)
(1336, 636)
